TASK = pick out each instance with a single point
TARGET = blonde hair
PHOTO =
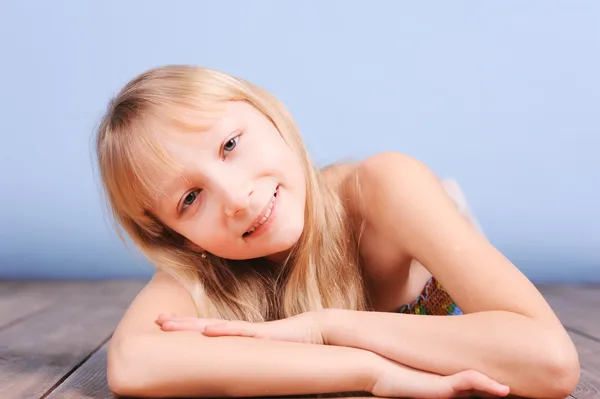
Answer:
(322, 270)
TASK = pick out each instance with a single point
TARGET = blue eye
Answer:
(230, 145)
(189, 199)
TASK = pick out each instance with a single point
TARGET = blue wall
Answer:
(504, 96)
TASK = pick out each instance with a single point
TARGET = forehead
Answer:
(211, 118)
(186, 132)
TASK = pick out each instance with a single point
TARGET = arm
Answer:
(508, 333)
(186, 364)
(145, 361)
(507, 347)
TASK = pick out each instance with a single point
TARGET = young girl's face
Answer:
(242, 191)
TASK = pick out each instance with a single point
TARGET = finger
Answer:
(233, 328)
(493, 387)
(473, 380)
(164, 316)
(190, 324)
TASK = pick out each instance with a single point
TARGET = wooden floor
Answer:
(53, 335)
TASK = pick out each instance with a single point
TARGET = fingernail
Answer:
(168, 324)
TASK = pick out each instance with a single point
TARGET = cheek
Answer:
(269, 148)
(295, 173)
(287, 162)
(203, 231)
(295, 183)
(214, 241)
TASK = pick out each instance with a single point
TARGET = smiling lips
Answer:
(264, 216)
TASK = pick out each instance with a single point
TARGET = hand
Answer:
(396, 380)
(303, 328)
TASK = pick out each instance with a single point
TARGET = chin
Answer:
(285, 243)
(281, 242)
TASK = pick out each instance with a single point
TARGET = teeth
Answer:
(264, 218)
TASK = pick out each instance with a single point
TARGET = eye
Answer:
(230, 145)
(189, 199)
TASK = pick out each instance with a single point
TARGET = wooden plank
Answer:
(588, 386)
(88, 381)
(589, 357)
(586, 293)
(23, 299)
(6, 284)
(38, 353)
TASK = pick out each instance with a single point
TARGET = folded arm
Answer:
(508, 332)
(186, 364)
(527, 355)
(145, 361)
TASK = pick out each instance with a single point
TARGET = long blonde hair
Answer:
(323, 268)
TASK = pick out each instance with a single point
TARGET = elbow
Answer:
(562, 368)
(124, 368)
(564, 377)
(549, 368)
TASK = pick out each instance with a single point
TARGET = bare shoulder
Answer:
(395, 168)
(410, 209)
(365, 184)
(378, 165)
(387, 185)
(412, 175)
(389, 177)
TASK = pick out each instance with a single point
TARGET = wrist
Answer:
(325, 320)
(331, 323)
(368, 368)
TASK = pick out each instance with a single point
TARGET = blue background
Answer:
(504, 96)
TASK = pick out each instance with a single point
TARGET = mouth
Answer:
(264, 216)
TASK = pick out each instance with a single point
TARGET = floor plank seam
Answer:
(583, 334)
(24, 317)
(78, 365)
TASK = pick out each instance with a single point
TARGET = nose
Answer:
(236, 199)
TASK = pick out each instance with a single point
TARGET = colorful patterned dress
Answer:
(433, 300)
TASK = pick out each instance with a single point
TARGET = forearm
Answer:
(507, 347)
(185, 364)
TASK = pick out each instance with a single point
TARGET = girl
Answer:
(276, 278)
